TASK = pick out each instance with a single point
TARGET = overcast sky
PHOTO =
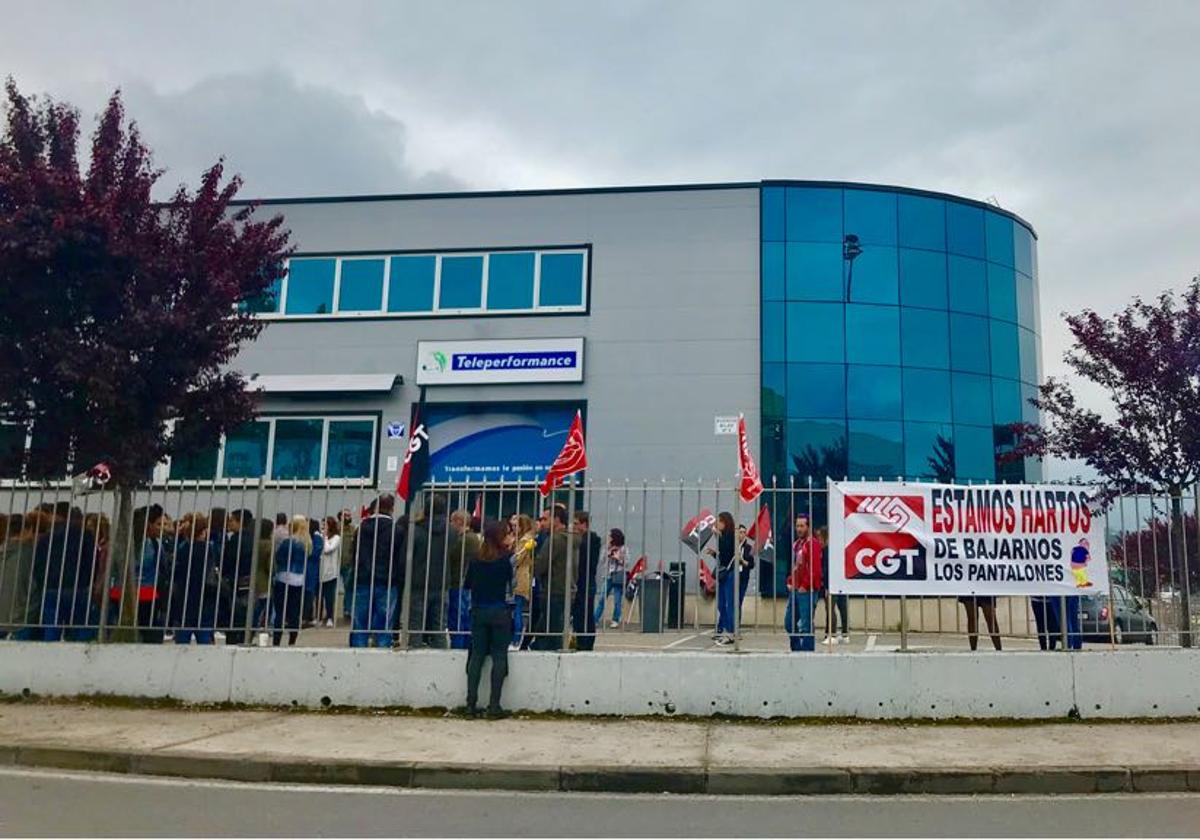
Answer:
(1082, 117)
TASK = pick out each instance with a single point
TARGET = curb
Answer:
(618, 779)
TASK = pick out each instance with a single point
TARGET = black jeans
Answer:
(548, 628)
(286, 602)
(328, 596)
(491, 634)
(425, 625)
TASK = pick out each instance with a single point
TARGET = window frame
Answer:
(583, 308)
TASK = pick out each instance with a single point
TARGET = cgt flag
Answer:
(571, 460)
(752, 486)
(415, 471)
(760, 534)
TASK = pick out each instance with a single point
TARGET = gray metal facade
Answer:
(672, 329)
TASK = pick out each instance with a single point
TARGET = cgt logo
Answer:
(881, 543)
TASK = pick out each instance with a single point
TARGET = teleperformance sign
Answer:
(501, 361)
(985, 539)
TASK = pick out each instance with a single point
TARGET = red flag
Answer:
(416, 458)
(752, 485)
(760, 531)
(708, 583)
(478, 512)
(571, 460)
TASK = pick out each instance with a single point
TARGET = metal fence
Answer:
(330, 565)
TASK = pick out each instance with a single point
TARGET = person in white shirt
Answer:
(331, 562)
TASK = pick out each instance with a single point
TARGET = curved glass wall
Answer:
(911, 360)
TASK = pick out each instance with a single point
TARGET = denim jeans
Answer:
(374, 608)
(520, 605)
(1074, 626)
(69, 615)
(725, 602)
(797, 621)
(202, 637)
(617, 588)
(458, 619)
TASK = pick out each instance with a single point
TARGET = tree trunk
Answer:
(1182, 563)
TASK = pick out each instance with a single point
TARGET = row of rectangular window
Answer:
(907, 276)
(891, 335)
(884, 217)
(286, 449)
(429, 284)
(912, 450)
(870, 392)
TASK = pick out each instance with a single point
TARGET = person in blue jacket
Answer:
(312, 573)
(287, 590)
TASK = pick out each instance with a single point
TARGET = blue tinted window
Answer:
(772, 333)
(972, 398)
(349, 453)
(924, 338)
(772, 214)
(974, 453)
(922, 222)
(510, 280)
(1028, 348)
(968, 285)
(873, 278)
(876, 449)
(1006, 401)
(922, 278)
(297, 451)
(873, 392)
(1026, 310)
(772, 271)
(969, 344)
(200, 465)
(310, 287)
(561, 283)
(410, 284)
(814, 271)
(814, 215)
(816, 448)
(871, 216)
(814, 332)
(1002, 292)
(361, 289)
(999, 238)
(266, 301)
(964, 230)
(462, 283)
(1029, 411)
(773, 390)
(1005, 355)
(246, 451)
(1023, 249)
(816, 390)
(926, 395)
(872, 334)
(929, 451)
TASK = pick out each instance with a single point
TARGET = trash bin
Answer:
(676, 586)
(652, 603)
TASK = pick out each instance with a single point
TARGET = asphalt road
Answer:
(41, 803)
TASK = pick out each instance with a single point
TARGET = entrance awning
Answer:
(309, 383)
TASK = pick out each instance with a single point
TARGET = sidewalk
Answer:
(715, 757)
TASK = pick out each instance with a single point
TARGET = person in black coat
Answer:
(583, 617)
(379, 576)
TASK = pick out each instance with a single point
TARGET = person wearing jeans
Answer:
(803, 583)
(522, 585)
(616, 558)
(379, 572)
(287, 594)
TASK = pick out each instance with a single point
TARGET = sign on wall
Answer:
(725, 424)
(496, 441)
(889, 538)
(500, 361)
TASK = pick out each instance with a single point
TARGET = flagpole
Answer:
(409, 539)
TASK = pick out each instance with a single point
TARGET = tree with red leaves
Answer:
(119, 315)
(1146, 358)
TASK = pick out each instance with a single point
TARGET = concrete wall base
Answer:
(1024, 685)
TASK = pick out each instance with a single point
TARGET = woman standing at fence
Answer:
(331, 556)
(312, 572)
(972, 604)
(616, 558)
(522, 588)
(745, 567)
(725, 551)
(192, 572)
(287, 596)
(487, 579)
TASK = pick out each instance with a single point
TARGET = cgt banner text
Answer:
(946, 539)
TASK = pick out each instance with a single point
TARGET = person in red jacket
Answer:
(803, 583)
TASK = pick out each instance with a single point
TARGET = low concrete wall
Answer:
(1099, 684)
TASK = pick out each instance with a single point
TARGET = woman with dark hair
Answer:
(312, 573)
(724, 552)
(488, 578)
(616, 558)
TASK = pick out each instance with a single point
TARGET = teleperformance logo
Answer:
(531, 360)
(882, 540)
